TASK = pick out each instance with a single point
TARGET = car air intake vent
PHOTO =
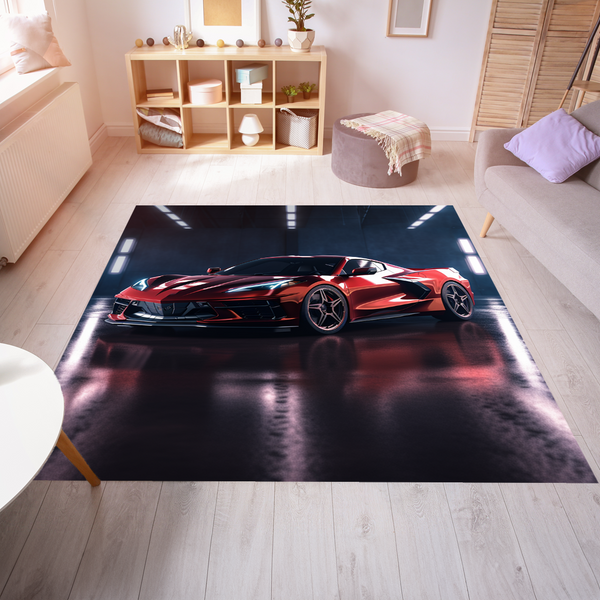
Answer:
(256, 309)
(412, 287)
(120, 306)
(176, 310)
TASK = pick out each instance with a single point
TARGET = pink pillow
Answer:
(557, 146)
(32, 43)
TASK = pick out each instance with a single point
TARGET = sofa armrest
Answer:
(491, 152)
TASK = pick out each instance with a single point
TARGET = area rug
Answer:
(411, 399)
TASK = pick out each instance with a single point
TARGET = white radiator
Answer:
(43, 154)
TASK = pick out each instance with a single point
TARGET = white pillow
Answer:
(32, 43)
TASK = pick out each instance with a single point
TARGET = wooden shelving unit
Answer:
(212, 129)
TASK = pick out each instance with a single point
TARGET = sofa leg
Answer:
(486, 225)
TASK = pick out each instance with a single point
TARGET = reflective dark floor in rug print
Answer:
(412, 399)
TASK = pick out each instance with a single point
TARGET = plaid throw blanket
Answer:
(402, 138)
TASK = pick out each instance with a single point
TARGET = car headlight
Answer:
(268, 285)
(140, 285)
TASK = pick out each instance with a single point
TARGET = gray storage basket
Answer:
(298, 128)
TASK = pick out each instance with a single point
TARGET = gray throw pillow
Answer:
(160, 136)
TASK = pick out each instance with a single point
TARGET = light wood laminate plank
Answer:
(430, 563)
(354, 195)
(492, 561)
(179, 549)
(555, 561)
(101, 161)
(241, 550)
(216, 185)
(367, 559)
(49, 342)
(16, 522)
(458, 180)
(326, 188)
(304, 565)
(73, 294)
(299, 181)
(134, 187)
(244, 183)
(576, 384)
(48, 564)
(588, 456)
(188, 189)
(19, 319)
(14, 275)
(575, 318)
(114, 558)
(164, 180)
(582, 505)
(272, 181)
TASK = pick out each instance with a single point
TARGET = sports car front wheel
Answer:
(325, 309)
(457, 302)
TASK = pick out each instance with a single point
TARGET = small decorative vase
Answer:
(301, 41)
(306, 95)
(181, 38)
(290, 98)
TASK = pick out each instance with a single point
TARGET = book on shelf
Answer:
(166, 93)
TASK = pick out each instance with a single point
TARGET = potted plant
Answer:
(290, 91)
(300, 38)
(306, 89)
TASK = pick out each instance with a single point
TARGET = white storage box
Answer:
(252, 73)
(205, 91)
(251, 93)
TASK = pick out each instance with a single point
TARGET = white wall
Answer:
(71, 27)
(434, 78)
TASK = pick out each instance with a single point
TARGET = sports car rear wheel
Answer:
(457, 302)
(325, 309)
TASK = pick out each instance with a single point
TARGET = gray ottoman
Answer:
(359, 159)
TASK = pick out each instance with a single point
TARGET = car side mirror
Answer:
(364, 271)
(212, 270)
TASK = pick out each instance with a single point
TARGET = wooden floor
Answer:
(287, 541)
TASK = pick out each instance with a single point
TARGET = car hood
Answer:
(185, 287)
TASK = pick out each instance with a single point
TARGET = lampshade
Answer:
(250, 124)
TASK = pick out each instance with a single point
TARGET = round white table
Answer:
(31, 416)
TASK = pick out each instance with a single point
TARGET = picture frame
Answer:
(249, 31)
(408, 18)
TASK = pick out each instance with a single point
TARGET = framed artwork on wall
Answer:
(227, 20)
(408, 18)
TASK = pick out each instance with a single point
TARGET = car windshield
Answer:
(293, 265)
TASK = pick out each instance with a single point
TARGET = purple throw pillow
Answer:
(557, 146)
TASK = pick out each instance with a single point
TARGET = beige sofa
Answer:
(558, 223)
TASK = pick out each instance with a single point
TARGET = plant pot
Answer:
(290, 98)
(307, 95)
(301, 41)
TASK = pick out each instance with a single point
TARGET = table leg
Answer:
(66, 446)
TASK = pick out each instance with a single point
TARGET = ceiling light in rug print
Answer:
(320, 293)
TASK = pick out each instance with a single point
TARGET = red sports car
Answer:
(322, 293)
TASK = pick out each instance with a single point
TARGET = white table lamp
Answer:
(250, 127)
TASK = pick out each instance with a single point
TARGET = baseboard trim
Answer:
(450, 134)
(120, 130)
(440, 134)
(97, 139)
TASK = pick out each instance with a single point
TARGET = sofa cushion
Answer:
(557, 146)
(558, 224)
(589, 116)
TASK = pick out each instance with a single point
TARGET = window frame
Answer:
(6, 62)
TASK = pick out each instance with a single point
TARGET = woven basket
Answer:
(297, 128)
